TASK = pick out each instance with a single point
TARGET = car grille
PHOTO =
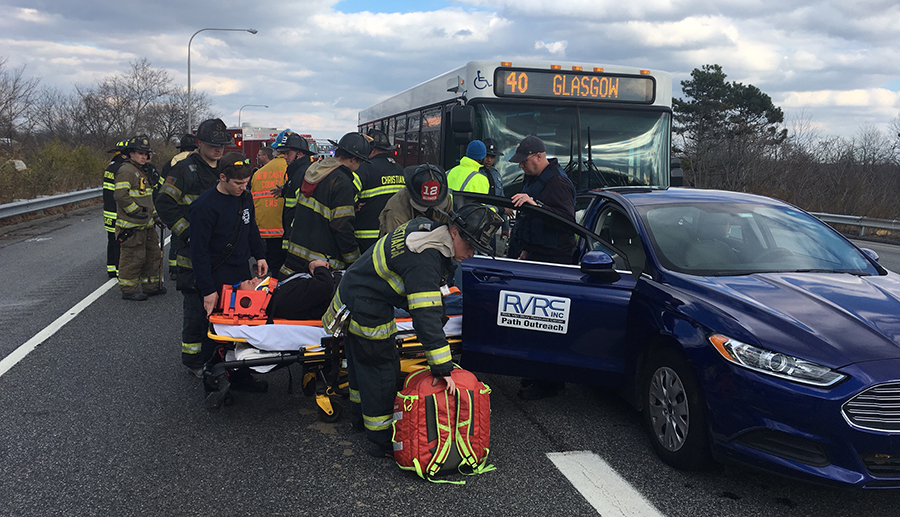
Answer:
(882, 465)
(877, 408)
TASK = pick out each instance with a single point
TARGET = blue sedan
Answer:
(742, 327)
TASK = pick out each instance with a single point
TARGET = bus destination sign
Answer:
(561, 84)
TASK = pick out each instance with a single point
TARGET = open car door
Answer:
(562, 322)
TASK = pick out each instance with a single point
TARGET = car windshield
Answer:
(713, 239)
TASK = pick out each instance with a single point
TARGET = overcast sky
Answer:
(317, 63)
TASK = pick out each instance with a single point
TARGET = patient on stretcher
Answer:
(302, 296)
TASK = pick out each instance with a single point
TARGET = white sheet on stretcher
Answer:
(291, 338)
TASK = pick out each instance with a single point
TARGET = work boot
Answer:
(153, 292)
(136, 296)
(241, 380)
(377, 451)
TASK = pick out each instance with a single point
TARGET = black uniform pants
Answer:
(112, 254)
(373, 371)
(193, 330)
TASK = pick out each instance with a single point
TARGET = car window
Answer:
(718, 239)
(582, 203)
(614, 226)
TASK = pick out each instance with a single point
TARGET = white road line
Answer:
(26, 348)
(603, 488)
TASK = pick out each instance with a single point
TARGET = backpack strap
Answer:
(443, 421)
(465, 402)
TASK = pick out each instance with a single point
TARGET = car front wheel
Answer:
(674, 412)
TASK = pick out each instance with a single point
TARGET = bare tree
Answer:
(123, 105)
(16, 99)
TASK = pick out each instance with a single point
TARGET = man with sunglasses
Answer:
(188, 179)
(224, 236)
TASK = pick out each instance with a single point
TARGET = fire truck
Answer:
(248, 140)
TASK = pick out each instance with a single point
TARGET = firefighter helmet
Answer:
(138, 143)
(380, 140)
(119, 147)
(214, 132)
(293, 141)
(187, 143)
(354, 144)
(491, 146)
(477, 224)
(427, 184)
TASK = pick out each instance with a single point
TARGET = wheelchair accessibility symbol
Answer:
(480, 82)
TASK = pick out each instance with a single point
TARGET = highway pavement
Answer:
(101, 419)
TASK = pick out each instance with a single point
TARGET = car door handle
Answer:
(485, 274)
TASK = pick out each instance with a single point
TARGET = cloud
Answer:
(554, 47)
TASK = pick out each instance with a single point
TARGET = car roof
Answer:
(642, 196)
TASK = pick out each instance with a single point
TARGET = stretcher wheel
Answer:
(329, 403)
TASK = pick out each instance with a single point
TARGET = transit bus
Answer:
(608, 125)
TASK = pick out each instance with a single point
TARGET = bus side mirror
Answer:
(462, 123)
(676, 173)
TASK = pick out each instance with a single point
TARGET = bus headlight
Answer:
(774, 363)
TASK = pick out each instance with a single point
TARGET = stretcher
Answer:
(255, 343)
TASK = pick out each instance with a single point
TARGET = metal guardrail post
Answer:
(36, 205)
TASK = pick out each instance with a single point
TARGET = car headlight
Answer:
(774, 363)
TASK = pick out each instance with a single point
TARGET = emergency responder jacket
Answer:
(109, 191)
(323, 219)
(378, 181)
(467, 177)
(291, 189)
(399, 209)
(186, 181)
(267, 206)
(405, 269)
(134, 197)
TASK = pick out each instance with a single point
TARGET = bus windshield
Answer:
(598, 147)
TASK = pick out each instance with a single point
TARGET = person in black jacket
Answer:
(547, 186)
(224, 236)
(109, 208)
(188, 179)
(378, 181)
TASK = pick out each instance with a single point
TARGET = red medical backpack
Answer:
(435, 432)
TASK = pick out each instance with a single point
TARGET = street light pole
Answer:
(189, 107)
(244, 106)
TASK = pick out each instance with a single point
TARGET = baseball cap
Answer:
(528, 146)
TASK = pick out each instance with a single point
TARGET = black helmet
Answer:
(187, 143)
(426, 183)
(293, 141)
(214, 132)
(477, 224)
(119, 147)
(355, 144)
(492, 147)
(138, 143)
(380, 140)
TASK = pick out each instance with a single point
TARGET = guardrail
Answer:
(861, 222)
(42, 203)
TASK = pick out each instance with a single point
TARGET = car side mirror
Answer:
(600, 266)
(872, 254)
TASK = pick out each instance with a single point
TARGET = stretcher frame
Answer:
(324, 364)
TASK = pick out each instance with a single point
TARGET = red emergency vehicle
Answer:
(248, 140)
